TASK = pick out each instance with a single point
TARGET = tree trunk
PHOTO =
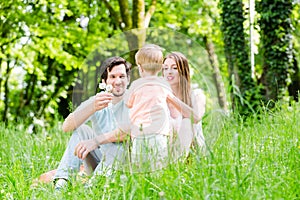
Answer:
(294, 87)
(6, 93)
(138, 14)
(124, 11)
(136, 24)
(216, 74)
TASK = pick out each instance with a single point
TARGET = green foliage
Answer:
(234, 37)
(256, 158)
(46, 45)
(40, 55)
(196, 19)
(276, 38)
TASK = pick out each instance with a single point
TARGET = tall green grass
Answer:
(256, 158)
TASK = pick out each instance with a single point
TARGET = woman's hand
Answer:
(173, 111)
(83, 148)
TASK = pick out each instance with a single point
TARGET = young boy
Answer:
(148, 108)
(147, 95)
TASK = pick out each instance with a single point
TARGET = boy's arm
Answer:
(129, 95)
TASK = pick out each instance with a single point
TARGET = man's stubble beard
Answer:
(119, 94)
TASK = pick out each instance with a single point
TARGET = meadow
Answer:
(253, 158)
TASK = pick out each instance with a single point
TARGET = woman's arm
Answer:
(198, 102)
(196, 113)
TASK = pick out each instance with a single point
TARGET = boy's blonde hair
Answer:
(150, 58)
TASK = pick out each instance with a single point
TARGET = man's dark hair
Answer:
(108, 64)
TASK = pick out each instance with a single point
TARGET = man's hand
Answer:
(83, 148)
(102, 100)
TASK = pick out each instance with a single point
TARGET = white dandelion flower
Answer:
(102, 86)
(108, 88)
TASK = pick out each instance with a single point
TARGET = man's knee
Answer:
(85, 132)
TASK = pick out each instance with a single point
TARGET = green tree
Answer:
(276, 38)
(200, 21)
(130, 15)
(243, 86)
(40, 55)
(294, 87)
(46, 45)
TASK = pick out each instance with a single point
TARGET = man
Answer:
(104, 118)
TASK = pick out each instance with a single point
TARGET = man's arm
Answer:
(85, 110)
(116, 135)
(83, 148)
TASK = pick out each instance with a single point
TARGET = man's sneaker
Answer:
(60, 184)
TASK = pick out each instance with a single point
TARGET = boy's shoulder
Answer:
(163, 81)
(151, 80)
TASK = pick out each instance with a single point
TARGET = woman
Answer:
(177, 72)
